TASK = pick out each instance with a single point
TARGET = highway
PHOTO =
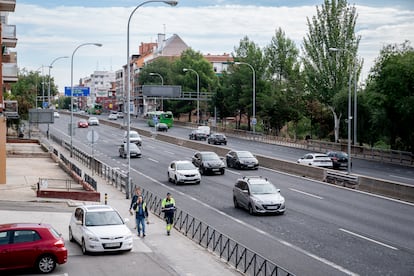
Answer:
(326, 230)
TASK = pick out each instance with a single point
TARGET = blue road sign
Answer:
(78, 91)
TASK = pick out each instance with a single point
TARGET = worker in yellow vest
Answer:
(168, 207)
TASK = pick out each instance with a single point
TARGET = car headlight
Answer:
(258, 201)
(93, 238)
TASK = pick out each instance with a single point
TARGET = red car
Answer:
(82, 123)
(31, 245)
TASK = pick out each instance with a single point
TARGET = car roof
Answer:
(255, 179)
(23, 225)
(181, 161)
(96, 208)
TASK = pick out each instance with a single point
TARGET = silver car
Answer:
(258, 195)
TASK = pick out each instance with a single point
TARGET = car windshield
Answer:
(102, 218)
(210, 156)
(185, 166)
(263, 188)
(134, 135)
(244, 154)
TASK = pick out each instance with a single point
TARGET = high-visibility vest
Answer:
(168, 206)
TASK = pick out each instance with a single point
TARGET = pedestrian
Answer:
(141, 212)
(168, 207)
(138, 192)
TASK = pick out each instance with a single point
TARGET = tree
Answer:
(326, 72)
(390, 95)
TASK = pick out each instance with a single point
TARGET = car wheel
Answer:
(84, 250)
(208, 141)
(202, 172)
(169, 178)
(251, 212)
(236, 204)
(71, 239)
(176, 181)
(222, 171)
(46, 264)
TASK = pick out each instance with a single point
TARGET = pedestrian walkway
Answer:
(188, 258)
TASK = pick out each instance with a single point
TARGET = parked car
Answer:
(339, 159)
(56, 114)
(93, 121)
(241, 159)
(208, 161)
(316, 159)
(197, 135)
(183, 172)
(112, 116)
(217, 139)
(134, 150)
(99, 228)
(161, 127)
(258, 195)
(31, 245)
(133, 137)
(120, 114)
(82, 123)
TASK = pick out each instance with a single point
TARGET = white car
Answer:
(183, 172)
(99, 228)
(112, 116)
(56, 114)
(317, 160)
(93, 121)
(133, 137)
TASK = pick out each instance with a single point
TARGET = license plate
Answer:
(112, 244)
(272, 207)
(250, 166)
(215, 170)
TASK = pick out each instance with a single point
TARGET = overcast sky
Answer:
(50, 29)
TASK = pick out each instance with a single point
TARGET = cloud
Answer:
(46, 33)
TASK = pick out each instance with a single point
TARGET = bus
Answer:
(165, 117)
(95, 109)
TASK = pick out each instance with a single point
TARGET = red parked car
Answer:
(82, 123)
(31, 245)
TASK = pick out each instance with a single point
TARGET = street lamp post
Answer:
(128, 87)
(50, 67)
(349, 105)
(71, 93)
(254, 94)
(198, 92)
(162, 83)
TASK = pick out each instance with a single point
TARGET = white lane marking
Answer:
(368, 239)
(153, 160)
(320, 259)
(170, 152)
(233, 172)
(305, 193)
(396, 176)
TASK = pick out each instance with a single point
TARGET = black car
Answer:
(217, 139)
(198, 135)
(208, 161)
(241, 159)
(339, 159)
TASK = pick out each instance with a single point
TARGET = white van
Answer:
(204, 129)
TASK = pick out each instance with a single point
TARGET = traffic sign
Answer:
(254, 121)
(92, 136)
(78, 91)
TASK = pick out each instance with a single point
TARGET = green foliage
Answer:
(390, 96)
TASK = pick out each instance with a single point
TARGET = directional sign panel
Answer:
(78, 91)
(166, 91)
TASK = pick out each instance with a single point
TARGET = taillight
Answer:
(59, 243)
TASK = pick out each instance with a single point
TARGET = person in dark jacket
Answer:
(141, 212)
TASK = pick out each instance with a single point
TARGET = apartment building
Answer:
(8, 74)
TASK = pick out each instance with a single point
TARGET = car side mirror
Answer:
(278, 190)
(246, 191)
(79, 222)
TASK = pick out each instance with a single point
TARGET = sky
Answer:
(47, 30)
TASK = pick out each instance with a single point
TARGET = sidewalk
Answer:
(188, 258)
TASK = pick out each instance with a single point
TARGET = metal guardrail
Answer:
(44, 183)
(342, 179)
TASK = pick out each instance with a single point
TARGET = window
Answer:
(21, 236)
(4, 237)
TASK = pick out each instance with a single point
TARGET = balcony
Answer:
(9, 72)
(8, 35)
(9, 57)
(7, 5)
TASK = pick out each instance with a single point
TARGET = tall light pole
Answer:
(198, 92)
(71, 93)
(349, 104)
(162, 83)
(50, 67)
(254, 94)
(128, 87)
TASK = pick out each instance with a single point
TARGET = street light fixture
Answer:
(254, 93)
(198, 92)
(71, 93)
(128, 87)
(349, 105)
(50, 67)
(162, 83)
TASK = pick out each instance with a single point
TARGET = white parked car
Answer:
(56, 114)
(317, 160)
(183, 172)
(99, 228)
(133, 137)
(112, 116)
(93, 121)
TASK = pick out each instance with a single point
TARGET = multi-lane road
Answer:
(326, 230)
